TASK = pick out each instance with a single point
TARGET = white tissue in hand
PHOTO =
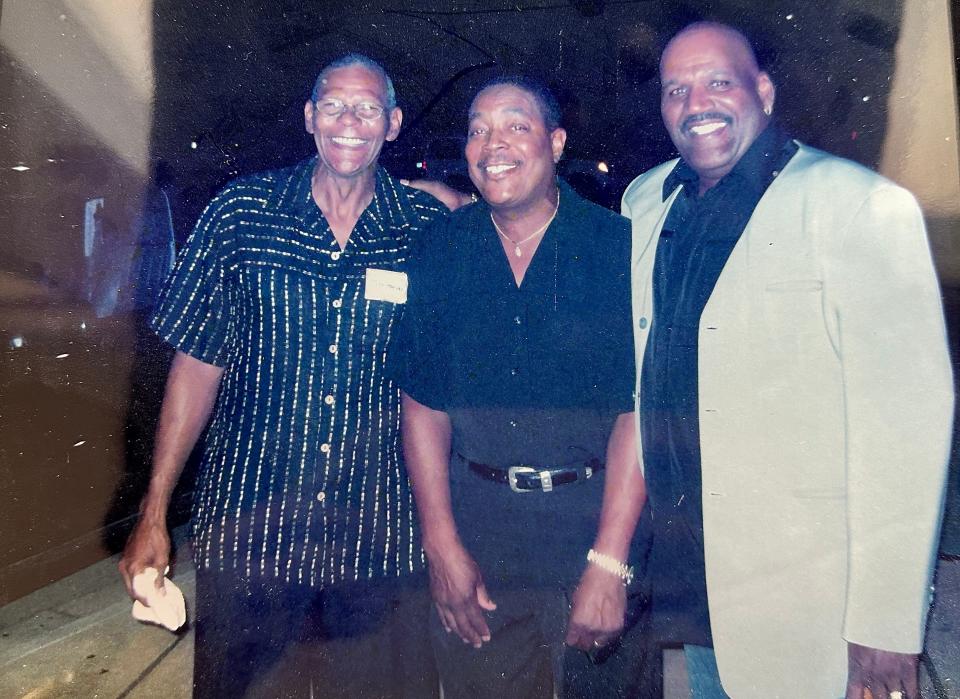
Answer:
(164, 606)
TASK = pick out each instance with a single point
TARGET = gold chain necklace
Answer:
(517, 243)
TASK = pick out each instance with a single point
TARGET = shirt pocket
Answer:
(794, 318)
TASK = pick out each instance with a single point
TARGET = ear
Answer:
(558, 139)
(767, 92)
(308, 116)
(394, 121)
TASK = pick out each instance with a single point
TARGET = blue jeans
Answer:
(702, 673)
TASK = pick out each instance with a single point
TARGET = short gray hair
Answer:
(356, 59)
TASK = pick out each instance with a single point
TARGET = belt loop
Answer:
(546, 481)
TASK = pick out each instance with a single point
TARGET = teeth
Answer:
(497, 169)
(344, 141)
(704, 129)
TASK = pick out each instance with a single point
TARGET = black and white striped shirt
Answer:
(302, 475)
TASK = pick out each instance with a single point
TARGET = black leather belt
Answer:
(523, 479)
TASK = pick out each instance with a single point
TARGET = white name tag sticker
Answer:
(385, 285)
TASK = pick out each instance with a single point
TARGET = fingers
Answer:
(587, 639)
(880, 674)
(578, 637)
(460, 596)
(879, 689)
(127, 579)
(465, 620)
(591, 631)
(148, 547)
(597, 613)
(446, 618)
(483, 598)
(474, 625)
(129, 569)
(465, 617)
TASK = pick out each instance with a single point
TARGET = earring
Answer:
(768, 110)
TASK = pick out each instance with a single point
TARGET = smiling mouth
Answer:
(707, 129)
(497, 168)
(347, 141)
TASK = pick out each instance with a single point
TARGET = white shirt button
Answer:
(328, 400)
(332, 349)
(335, 255)
(337, 303)
(325, 448)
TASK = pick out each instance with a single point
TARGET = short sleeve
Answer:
(192, 315)
(417, 362)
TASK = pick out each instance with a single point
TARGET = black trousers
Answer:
(526, 657)
(531, 549)
(264, 638)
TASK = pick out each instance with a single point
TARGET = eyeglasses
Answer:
(365, 111)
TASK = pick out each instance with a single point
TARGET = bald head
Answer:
(715, 101)
(734, 38)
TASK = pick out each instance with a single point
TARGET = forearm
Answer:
(188, 401)
(426, 449)
(624, 493)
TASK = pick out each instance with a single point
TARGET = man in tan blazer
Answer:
(794, 392)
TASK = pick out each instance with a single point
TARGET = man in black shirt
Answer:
(518, 423)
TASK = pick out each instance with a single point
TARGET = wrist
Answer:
(440, 544)
(153, 511)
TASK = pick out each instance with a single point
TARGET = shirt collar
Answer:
(292, 192)
(389, 206)
(569, 209)
(763, 160)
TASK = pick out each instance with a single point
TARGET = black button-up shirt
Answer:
(695, 242)
(301, 477)
(533, 374)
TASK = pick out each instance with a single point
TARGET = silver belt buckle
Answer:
(512, 477)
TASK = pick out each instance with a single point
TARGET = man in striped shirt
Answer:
(281, 309)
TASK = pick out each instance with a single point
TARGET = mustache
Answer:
(694, 119)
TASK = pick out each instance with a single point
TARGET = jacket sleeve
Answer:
(883, 299)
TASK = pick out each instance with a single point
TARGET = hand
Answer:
(448, 196)
(876, 673)
(460, 595)
(599, 605)
(147, 547)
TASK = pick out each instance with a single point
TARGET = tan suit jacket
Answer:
(826, 403)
